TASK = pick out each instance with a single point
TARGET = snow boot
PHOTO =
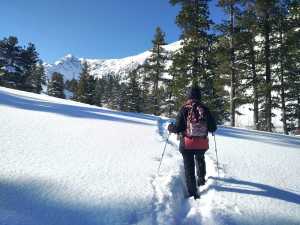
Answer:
(196, 195)
(201, 181)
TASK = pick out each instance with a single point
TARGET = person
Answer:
(193, 122)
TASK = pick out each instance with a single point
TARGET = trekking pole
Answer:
(216, 153)
(162, 156)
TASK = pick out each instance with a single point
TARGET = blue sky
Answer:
(90, 28)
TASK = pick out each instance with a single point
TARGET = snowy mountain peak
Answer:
(69, 56)
(70, 66)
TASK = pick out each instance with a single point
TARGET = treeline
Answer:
(145, 89)
(258, 55)
(20, 67)
(252, 57)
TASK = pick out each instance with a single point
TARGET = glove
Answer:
(171, 128)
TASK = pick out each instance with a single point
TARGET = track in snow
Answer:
(259, 182)
(69, 163)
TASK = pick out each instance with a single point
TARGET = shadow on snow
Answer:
(28, 103)
(28, 203)
(264, 137)
(251, 188)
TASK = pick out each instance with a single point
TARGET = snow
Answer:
(64, 162)
(70, 66)
(263, 180)
(73, 162)
(172, 47)
(246, 120)
(9, 69)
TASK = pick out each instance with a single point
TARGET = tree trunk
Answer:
(155, 85)
(268, 107)
(283, 106)
(298, 111)
(170, 97)
(282, 86)
(155, 95)
(255, 83)
(232, 78)
(196, 63)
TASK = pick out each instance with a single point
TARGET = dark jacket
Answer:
(180, 125)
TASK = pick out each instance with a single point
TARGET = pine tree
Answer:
(194, 63)
(292, 67)
(10, 62)
(194, 21)
(134, 93)
(72, 86)
(280, 58)
(220, 100)
(107, 89)
(29, 60)
(20, 67)
(146, 103)
(38, 77)
(91, 85)
(86, 86)
(123, 97)
(113, 93)
(179, 81)
(99, 90)
(116, 98)
(265, 12)
(174, 97)
(170, 104)
(2, 73)
(56, 85)
(229, 29)
(249, 31)
(155, 67)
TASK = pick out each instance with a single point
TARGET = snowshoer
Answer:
(193, 122)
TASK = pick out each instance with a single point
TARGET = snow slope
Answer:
(66, 163)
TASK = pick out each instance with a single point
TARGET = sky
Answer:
(90, 28)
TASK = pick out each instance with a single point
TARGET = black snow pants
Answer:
(189, 160)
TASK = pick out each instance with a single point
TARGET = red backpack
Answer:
(195, 136)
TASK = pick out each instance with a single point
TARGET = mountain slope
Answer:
(70, 66)
(64, 162)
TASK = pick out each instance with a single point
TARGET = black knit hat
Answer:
(194, 93)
